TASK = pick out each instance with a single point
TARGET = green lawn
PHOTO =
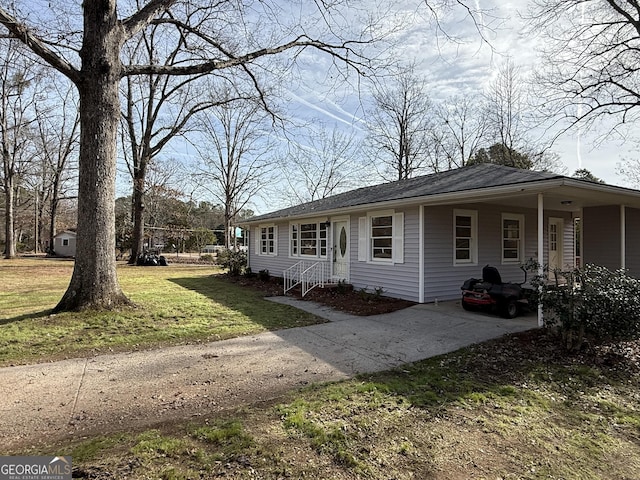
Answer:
(175, 304)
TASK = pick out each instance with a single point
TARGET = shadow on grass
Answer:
(530, 365)
(26, 316)
(249, 302)
(524, 386)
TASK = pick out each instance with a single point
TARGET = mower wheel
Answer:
(467, 306)
(510, 308)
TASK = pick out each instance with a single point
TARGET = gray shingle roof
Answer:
(459, 180)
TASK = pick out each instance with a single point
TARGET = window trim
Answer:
(263, 245)
(322, 243)
(519, 217)
(473, 247)
(370, 237)
(365, 238)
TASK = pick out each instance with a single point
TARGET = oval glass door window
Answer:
(343, 242)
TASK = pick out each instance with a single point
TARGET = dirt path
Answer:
(79, 397)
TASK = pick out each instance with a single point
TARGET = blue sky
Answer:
(467, 65)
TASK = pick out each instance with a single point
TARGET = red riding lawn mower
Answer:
(491, 294)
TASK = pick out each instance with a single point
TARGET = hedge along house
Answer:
(420, 238)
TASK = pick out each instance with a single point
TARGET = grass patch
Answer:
(531, 413)
(175, 305)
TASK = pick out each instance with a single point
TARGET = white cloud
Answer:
(461, 67)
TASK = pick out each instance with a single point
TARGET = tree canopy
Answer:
(500, 154)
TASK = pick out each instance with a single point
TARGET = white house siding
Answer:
(601, 236)
(632, 241)
(443, 279)
(399, 280)
(276, 264)
(68, 250)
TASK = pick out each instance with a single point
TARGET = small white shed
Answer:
(64, 244)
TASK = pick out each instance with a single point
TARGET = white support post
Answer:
(581, 264)
(421, 254)
(540, 252)
(623, 240)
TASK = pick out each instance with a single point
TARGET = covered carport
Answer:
(609, 216)
(609, 222)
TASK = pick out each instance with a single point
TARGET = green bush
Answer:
(234, 261)
(594, 303)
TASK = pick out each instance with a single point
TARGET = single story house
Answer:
(64, 244)
(420, 238)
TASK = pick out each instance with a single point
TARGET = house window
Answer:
(65, 242)
(308, 239)
(294, 240)
(381, 237)
(268, 240)
(512, 238)
(465, 233)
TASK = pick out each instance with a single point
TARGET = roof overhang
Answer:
(561, 194)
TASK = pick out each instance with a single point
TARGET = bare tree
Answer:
(591, 62)
(463, 128)
(510, 121)
(57, 149)
(17, 99)
(505, 111)
(90, 56)
(158, 108)
(400, 125)
(629, 169)
(234, 148)
(320, 164)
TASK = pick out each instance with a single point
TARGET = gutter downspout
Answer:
(540, 252)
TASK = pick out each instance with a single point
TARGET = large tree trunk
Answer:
(94, 283)
(9, 229)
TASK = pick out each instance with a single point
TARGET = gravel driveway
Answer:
(78, 397)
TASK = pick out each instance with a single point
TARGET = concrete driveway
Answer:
(113, 392)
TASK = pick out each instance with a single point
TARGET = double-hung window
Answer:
(381, 237)
(512, 238)
(308, 239)
(267, 240)
(465, 236)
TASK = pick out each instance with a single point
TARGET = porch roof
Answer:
(476, 183)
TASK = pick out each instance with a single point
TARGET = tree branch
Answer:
(23, 34)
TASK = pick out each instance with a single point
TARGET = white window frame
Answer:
(65, 242)
(372, 239)
(366, 238)
(322, 242)
(520, 248)
(473, 239)
(265, 243)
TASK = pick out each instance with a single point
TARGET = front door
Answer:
(341, 250)
(556, 228)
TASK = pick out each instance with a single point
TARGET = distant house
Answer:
(64, 244)
(420, 238)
